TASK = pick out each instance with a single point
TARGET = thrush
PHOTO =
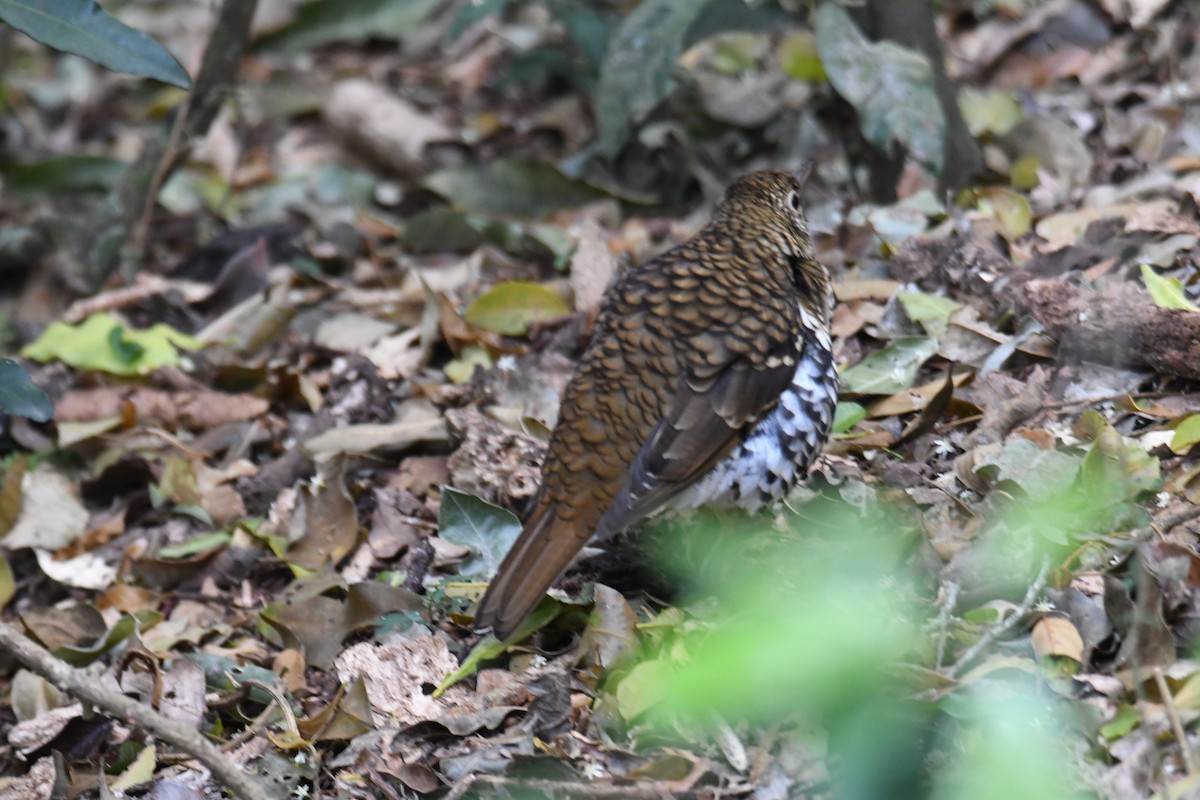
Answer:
(709, 381)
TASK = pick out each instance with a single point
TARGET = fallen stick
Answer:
(91, 691)
(1120, 328)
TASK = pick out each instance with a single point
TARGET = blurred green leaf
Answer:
(1124, 721)
(8, 586)
(801, 630)
(65, 173)
(196, 545)
(488, 530)
(83, 28)
(1117, 471)
(642, 688)
(1166, 292)
(1187, 433)
(323, 22)
(799, 58)
(637, 69)
(461, 369)
(847, 415)
(1013, 746)
(1012, 212)
(1043, 474)
(444, 230)
(994, 111)
(890, 369)
(20, 396)
(890, 86)
(510, 188)
(930, 311)
(510, 307)
(90, 345)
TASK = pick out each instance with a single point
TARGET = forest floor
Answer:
(292, 440)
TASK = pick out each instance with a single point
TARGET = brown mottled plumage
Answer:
(709, 380)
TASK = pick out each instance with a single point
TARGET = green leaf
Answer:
(890, 369)
(510, 188)
(66, 173)
(509, 307)
(891, 87)
(472, 522)
(847, 415)
(1187, 433)
(101, 342)
(994, 111)
(324, 21)
(20, 396)
(799, 58)
(1124, 721)
(1166, 292)
(8, 585)
(928, 310)
(638, 66)
(442, 230)
(641, 689)
(1012, 212)
(462, 369)
(490, 647)
(1042, 473)
(83, 28)
(1117, 470)
(122, 629)
(196, 545)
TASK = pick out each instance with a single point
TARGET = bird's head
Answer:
(763, 211)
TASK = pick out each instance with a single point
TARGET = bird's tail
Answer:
(542, 551)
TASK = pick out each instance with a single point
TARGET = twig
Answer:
(91, 691)
(137, 191)
(1188, 514)
(1003, 627)
(1189, 758)
(948, 599)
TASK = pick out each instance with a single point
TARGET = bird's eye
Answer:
(794, 201)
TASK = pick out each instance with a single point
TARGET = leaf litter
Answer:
(308, 507)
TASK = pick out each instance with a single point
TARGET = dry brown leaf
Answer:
(592, 267)
(1055, 636)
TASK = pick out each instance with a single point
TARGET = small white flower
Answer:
(506, 363)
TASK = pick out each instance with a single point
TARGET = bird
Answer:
(709, 380)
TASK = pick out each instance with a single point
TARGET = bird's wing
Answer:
(713, 408)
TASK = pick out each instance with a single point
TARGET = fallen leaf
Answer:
(1055, 636)
(891, 368)
(510, 307)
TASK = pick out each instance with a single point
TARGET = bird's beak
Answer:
(804, 170)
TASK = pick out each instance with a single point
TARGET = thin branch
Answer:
(126, 220)
(1191, 512)
(1189, 758)
(1003, 627)
(91, 691)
